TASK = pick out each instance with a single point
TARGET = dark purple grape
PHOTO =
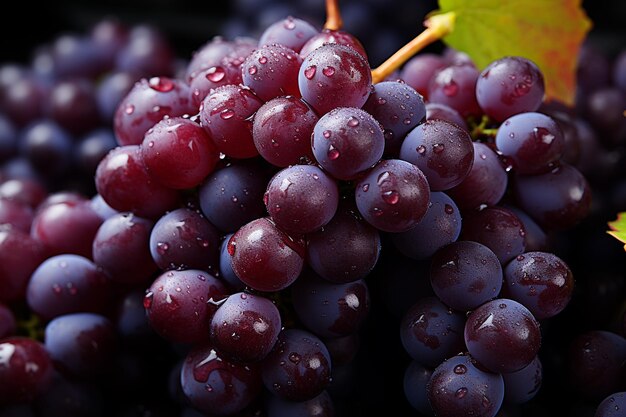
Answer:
(72, 104)
(26, 364)
(465, 274)
(541, 281)
(320, 406)
(532, 141)
(347, 141)
(93, 147)
(66, 397)
(592, 69)
(147, 103)
(440, 226)
(131, 320)
(66, 284)
(216, 385)
(442, 151)
(233, 195)
(207, 56)
(178, 153)
(147, 52)
(596, 364)
(205, 81)
(282, 130)
(327, 309)
(334, 37)
(121, 248)
(23, 190)
(536, 239)
(74, 56)
(48, 147)
(398, 108)
(109, 36)
(123, 182)
(66, 228)
(502, 335)
(272, 71)
(290, 32)
(298, 368)
(334, 75)
(393, 196)
(264, 257)
(486, 182)
(612, 406)
(455, 86)
(499, 229)
(20, 255)
(301, 199)
(508, 86)
(184, 239)
(603, 109)
(180, 304)
(416, 378)
(81, 344)
(431, 332)
(344, 250)
(557, 200)
(18, 215)
(245, 327)
(226, 114)
(418, 71)
(522, 386)
(226, 268)
(8, 324)
(23, 100)
(458, 387)
(439, 111)
(111, 90)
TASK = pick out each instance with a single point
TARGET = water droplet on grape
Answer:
(309, 73)
(326, 134)
(438, 148)
(328, 71)
(520, 257)
(407, 121)
(451, 88)
(377, 212)
(333, 153)
(289, 24)
(421, 149)
(461, 392)
(130, 109)
(227, 114)
(381, 101)
(294, 357)
(391, 197)
(147, 300)
(252, 70)
(522, 89)
(448, 209)
(365, 187)
(216, 74)
(502, 305)
(544, 135)
(162, 248)
(460, 369)
(353, 122)
(161, 84)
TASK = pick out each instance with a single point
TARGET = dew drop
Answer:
(309, 73)
(407, 121)
(289, 24)
(328, 71)
(326, 134)
(365, 187)
(451, 88)
(438, 148)
(391, 197)
(421, 149)
(520, 257)
(333, 153)
(216, 74)
(448, 209)
(252, 70)
(130, 109)
(460, 369)
(263, 60)
(377, 212)
(161, 84)
(461, 392)
(147, 300)
(294, 357)
(521, 89)
(162, 248)
(353, 122)
(381, 101)
(227, 114)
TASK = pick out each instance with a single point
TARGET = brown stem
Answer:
(437, 27)
(333, 15)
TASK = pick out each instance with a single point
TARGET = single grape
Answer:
(272, 71)
(290, 32)
(439, 111)
(523, 385)
(455, 86)
(418, 71)
(147, 52)
(73, 105)
(27, 365)
(20, 255)
(48, 147)
(612, 406)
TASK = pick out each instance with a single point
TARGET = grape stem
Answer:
(31, 327)
(333, 15)
(437, 26)
(482, 130)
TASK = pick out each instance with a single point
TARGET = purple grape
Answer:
(290, 32)
(111, 90)
(180, 304)
(245, 327)
(48, 147)
(416, 378)
(522, 386)
(440, 226)
(20, 255)
(8, 324)
(72, 104)
(502, 335)
(282, 130)
(509, 86)
(272, 71)
(301, 199)
(22, 100)
(23, 190)
(226, 114)
(184, 239)
(541, 281)
(121, 248)
(603, 109)
(347, 141)
(439, 111)
(205, 81)
(208, 56)
(612, 406)
(93, 147)
(233, 195)
(81, 344)
(442, 151)
(557, 200)
(215, 385)
(66, 397)
(486, 182)
(499, 229)
(327, 309)
(458, 387)
(75, 56)
(26, 363)
(431, 332)
(418, 71)
(320, 406)
(298, 368)
(536, 239)
(465, 274)
(393, 196)
(455, 86)
(264, 257)
(8, 139)
(109, 36)
(131, 320)
(332, 37)
(226, 268)
(18, 215)
(147, 52)
(344, 250)
(67, 284)
(178, 153)
(146, 104)
(398, 108)
(533, 142)
(334, 75)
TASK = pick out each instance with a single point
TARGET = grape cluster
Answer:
(263, 230)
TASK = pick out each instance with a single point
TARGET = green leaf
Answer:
(618, 228)
(548, 32)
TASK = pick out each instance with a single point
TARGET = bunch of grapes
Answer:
(259, 220)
